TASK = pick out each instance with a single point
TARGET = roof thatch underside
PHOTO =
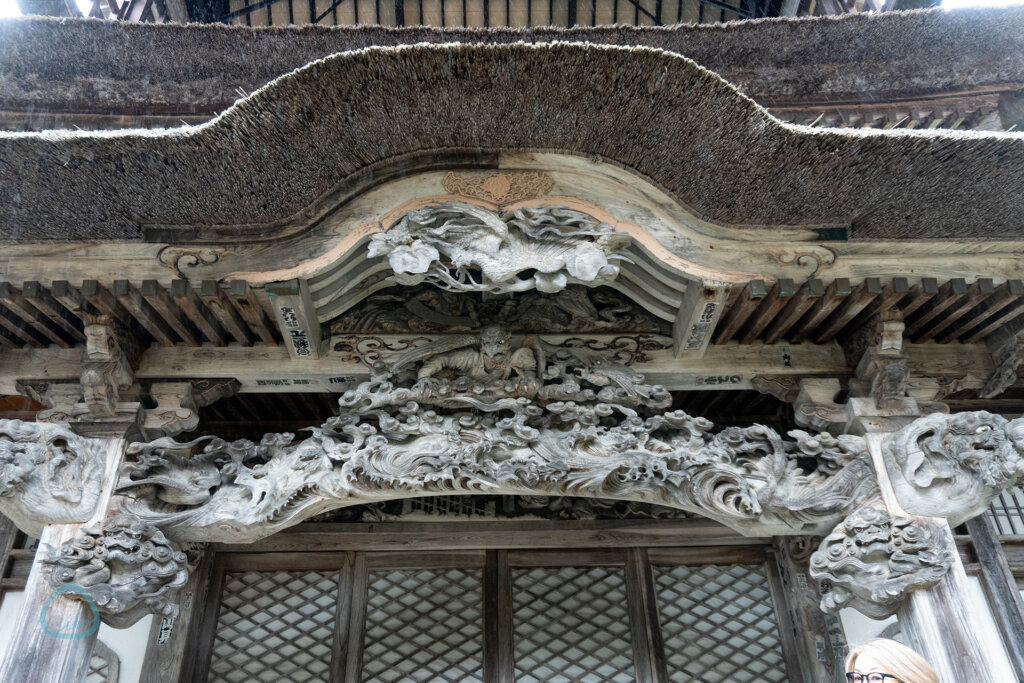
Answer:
(101, 66)
(657, 113)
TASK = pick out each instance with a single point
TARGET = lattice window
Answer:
(718, 624)
(1008, 512)
(275, 626)
(571, 625)
(104, 665)
(97, 670)
(424, 625)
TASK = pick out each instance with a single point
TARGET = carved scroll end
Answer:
(127, 569)
(873, 560)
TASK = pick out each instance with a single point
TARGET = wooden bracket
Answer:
(106, 368)
(176, 410)
(699, 313)
(296, 318)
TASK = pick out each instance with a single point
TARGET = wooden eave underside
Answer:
(208, 313)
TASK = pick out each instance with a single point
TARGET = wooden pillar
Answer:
(940, 622)
(813, 643)
(54, 636)
(1001, 588)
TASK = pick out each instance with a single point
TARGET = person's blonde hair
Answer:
(898, 659)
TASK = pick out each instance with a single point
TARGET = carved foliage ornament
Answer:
(483, 415)
(48, 475)
(872, 561)
(466, 248)
(953, 466)
(129, 569)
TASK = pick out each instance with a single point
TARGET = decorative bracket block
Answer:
(106, 368)
(873, 560)
(175, 411)
(127, 568)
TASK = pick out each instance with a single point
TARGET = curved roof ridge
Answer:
(656, 112)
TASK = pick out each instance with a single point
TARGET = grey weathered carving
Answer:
(545, 248)
(128, 568)
(952, 466)
(1007, 356)
(873, 560)
(48, 475)
(425, 309)
(106, 368)
(479, 414)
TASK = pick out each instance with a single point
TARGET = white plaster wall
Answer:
(129, 644)
(860, 629)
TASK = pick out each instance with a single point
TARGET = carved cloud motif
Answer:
(466, 248)
(872, 560)
(486, 414)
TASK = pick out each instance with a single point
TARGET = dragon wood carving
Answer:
(953, 466)
(466, 248)
(481, 415)
(128, 568)
(48, 475)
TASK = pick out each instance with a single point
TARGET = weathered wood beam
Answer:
(37, 295)
(533, 534)
(218, 304)
(104, 302)
(769, 307)
(741, 310)
(48, 329)
(866, 292)
(271, 369)
(158, 298)
(1005, 294)
(698, 315)
(919, 296)
(189, 303)
(249, 307)
(296, 318)
(948, 295)
(837, 290)
(795, 309)
(131, 298)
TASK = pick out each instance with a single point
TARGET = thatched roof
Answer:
(102, 66)
(655, 112)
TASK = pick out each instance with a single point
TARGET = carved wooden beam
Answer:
(106, 368)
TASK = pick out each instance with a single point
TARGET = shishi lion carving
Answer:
(953, 466)
(48, 475)
(872, 561)
(128, 568)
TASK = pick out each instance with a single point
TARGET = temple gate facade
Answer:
(511, 361)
